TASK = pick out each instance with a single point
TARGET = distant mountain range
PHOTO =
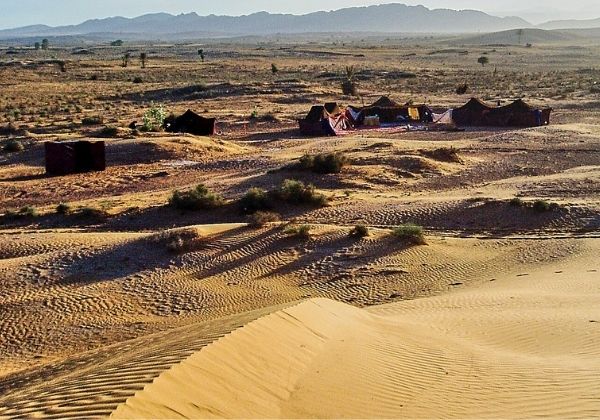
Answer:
(387, 18)
(390, 18)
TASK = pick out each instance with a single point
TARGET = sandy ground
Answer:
(495, 317)
(517, 345)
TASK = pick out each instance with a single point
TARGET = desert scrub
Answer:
(178, 241)
(256, 199)
(154, 119)
(330, 163)
(517, 202)
(359, 231)
(63, 208)
(13, 146)
(541, 206)
(296, 192)
(298, 232)
(263, 218)
(410, 233)
(200, 198)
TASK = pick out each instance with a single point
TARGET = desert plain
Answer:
(494, 314)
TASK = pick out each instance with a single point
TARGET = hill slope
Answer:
(518, 37)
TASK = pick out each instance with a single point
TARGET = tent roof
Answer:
(475, 104)
(385, 102)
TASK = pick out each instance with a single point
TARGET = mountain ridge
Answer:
(385, 18)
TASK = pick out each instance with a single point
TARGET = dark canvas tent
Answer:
(471, 113)
(516, 114)
(70, 157)
(191, 123)
(390, 111)
(324, 120)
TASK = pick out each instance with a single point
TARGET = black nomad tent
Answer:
(516, 114)
(71, 157)
(191, 123)
(324, 120)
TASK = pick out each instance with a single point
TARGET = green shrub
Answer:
(542, 206)
(299, 232)
(262, 218)
(359, 231)
(330, 163)
(296, 192)
(256, 199)
(137, 80)
(154, 119)
(410, 233)
(517, 202)
(63, 208)
(200, 198)
(13, 146)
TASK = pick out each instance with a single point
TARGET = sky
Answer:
(15, 13)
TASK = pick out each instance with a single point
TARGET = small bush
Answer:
(256, 199)
(137, 80)
(299, 232)
(200, 198)
(330, 163)
(359, 231)
(63, 208)
(28, 211)
(462, 89)
(410, 233)
(178, 241)
(13, 146)
(97, 120)
(296, 192)
(542, 206)
(154, 119)
(262, 218)
(517, 202)
(108, 132)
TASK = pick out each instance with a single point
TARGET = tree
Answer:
(45, 44)
(348, 86)
(201, 54)
(37, 46)
(274, 69)
(126, 58)
(143, 58)
(483, 60)
(117, 43)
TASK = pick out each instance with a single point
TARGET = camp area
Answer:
(330, 119)
(69, 157)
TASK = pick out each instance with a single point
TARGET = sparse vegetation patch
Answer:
(200, 198)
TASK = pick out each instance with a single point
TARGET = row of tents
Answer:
(331, 119)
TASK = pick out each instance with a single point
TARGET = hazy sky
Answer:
(15, 13)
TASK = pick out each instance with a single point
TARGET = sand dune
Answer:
(517, 347)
